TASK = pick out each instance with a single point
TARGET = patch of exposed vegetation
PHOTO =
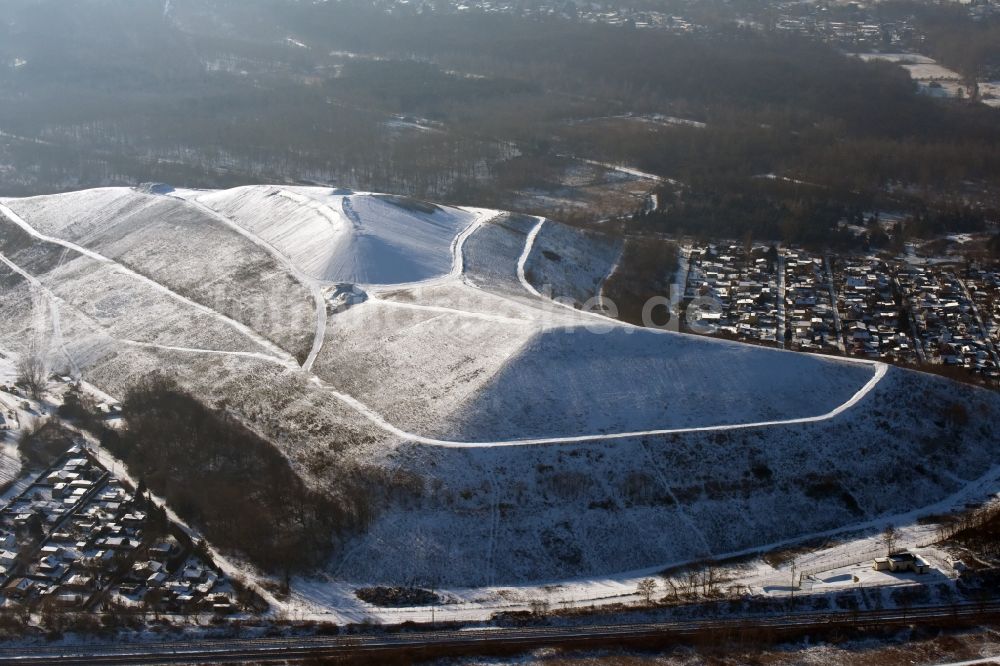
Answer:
(398, 596)
(236, 486)
(39, 446)
(410, 204)
(646, 269)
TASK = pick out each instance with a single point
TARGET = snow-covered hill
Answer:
(339, 236)
(537, 441)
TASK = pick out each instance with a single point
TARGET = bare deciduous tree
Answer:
(32, 373)
(539, 607)
(890, 537)
(645, 588)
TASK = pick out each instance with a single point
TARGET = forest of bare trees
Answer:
(473, 108)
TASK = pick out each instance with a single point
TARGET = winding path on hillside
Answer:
(313, 285)
(879, 371)
(282, 358)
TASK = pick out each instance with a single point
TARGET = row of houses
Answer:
(947, 326)
(162, 580)
(861, 31)
(79, 538)
(742, 283)
(984, 288)
(863, 305)
(584, 12)
(811, 321)
(875, 321)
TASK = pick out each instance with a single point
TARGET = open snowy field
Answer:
(920, 67)
(540, 442)
(937, 80)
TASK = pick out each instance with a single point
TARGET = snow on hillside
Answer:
(495, 259)
(414, 366)
(488, 366)
(182, 247)
(570, 262)
(26, 317)
(321, 437)
(491, 255)
(577, 382)
(338, 237)
(10, 458)
(511, 515)
(78, 215)
(474, 355)
(112, 303)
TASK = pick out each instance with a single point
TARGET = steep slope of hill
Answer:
(339, 236)
(505, 515)
(513, 438)
(183, 248)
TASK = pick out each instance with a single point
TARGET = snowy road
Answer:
(607, 277)
(522, 261)
(630, 171)
(838, 327)
(291, 364)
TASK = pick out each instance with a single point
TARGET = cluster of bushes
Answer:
(81, 409)
(41, 445)
(646, 269)
(398, 596)
(236, 486)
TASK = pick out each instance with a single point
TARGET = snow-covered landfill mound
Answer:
(534, 441)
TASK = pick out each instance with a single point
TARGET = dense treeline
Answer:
(646, 269)
(474, 108)
(237, 487)
(794, 214)
(977, 529)
(41, 445)
(805, 214)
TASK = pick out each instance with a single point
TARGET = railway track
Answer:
(292, 649)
